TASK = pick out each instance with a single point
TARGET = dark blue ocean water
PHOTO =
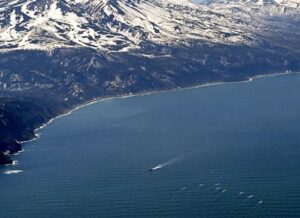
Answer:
(230, 150)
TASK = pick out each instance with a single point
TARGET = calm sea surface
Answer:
(229, 150)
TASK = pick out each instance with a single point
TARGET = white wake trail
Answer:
(171, 162)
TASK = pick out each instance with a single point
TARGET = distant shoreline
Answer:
(66, 112)
(250, 79)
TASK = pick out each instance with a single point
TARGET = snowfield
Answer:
(124, 25)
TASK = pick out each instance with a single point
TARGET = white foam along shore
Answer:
(250, 79)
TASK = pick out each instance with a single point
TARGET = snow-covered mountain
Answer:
(262, 8)
(89, 48)
(125, 25)
(56, 54)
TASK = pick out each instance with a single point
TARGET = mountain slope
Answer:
(262, 7)
(81, 50)
(122, 25)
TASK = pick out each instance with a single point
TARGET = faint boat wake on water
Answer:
(171, 162)
(218, 190)
(10, 172)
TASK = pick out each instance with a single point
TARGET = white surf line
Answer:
(100, 99)
(15, 162)
(250, 79)
(19, 152)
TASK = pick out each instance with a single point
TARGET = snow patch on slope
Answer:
(123, 25)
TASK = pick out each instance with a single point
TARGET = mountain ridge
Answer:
(121, 26)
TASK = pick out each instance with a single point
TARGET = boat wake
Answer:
(170, 162)
(10, 172)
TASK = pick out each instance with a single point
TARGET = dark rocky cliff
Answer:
(18, 119)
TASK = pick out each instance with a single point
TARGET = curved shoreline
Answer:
(151, 93)
(96, 100)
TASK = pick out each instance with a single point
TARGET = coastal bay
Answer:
(224, 151)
